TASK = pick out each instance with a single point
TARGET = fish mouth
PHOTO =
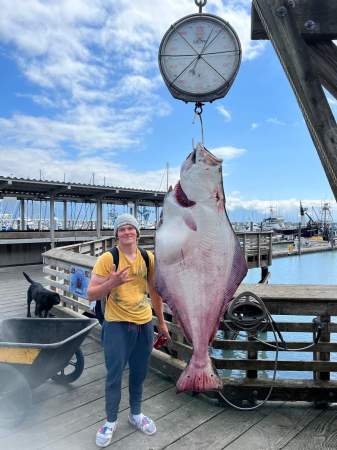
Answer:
(209, 158)
(181, 197)
(201, 155)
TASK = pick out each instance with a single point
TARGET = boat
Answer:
(321, 226)
(277, 225)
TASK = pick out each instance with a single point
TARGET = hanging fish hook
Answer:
(200, 4)
(198, 112)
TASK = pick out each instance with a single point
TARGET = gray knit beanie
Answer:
(126, 219)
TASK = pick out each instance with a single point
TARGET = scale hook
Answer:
(200, 4)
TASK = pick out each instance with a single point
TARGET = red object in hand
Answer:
(160, 341)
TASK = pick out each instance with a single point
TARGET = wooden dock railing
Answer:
(60, 261)
(256, 246)
(245, 365)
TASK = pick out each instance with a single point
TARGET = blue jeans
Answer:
(123, 343)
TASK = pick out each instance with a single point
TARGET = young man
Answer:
(127, 332)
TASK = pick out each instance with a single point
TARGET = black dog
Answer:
(44, 299)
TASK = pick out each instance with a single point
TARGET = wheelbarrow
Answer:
(33, 351)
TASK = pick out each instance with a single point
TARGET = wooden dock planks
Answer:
(67, 417)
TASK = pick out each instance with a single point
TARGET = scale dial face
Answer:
(199, 57)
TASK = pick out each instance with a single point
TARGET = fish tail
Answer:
(198, 378)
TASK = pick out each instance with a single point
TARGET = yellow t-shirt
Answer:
(128, 302)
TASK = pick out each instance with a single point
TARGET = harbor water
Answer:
(314, 268)
(310, 268)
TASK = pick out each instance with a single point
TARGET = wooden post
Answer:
(65, 218)
(323, 356)
(270, 256)
(252, 374)
(52, 221)
(245, 245)
(98, 218)
(22, 214)
(132, 208)
(264, 275)
(325, 337)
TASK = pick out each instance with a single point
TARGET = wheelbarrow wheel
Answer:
(15, 397)
(72, 371)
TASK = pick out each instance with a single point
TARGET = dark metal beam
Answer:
(5, 183)
(60, 190)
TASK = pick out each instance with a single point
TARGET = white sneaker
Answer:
(144, 424)
(104, 434)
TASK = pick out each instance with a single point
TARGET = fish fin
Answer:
(175, 313)
(183, 328)
(198, 379)
(238, 272)
(165, 295)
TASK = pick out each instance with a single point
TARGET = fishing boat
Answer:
(277, 225)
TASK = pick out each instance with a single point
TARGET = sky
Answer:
(82, 100)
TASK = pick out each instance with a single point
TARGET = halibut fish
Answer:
(199, 262)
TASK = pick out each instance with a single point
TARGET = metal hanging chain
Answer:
(200, 4)
(197, 113)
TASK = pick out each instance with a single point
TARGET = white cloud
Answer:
(84, 133)
(98, 100)
(95, 64)
(272, 120)
(284, 207)
(238, 14)
(275, 121)
(223, 111)
(227, 153)
(58, 166)
(255, 125)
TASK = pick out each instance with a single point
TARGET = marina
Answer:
(29, 226)
(244, 311)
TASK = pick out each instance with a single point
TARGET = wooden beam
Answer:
(293, 390)
(279, 23)
(264, 364)
(314, 19)
(324, 57)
